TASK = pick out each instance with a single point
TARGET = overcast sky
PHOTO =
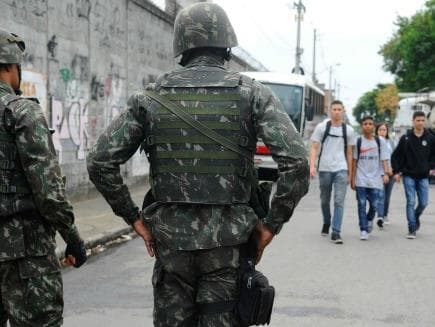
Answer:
(350, 33)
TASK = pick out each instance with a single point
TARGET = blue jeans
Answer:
(364, 194)
(328, 180)
(384, 198)
(413, 186)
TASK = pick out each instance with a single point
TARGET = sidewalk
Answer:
(96, 222)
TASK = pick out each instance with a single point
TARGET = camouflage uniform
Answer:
(201, 215)
(32, 207)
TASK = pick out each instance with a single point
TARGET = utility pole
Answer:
(330, 78)
(314, 57)
(300, 8)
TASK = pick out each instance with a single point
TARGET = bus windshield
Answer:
(291, 98)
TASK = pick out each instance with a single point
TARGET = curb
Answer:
(99, 240)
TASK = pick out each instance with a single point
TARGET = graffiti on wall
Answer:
(108, 93)
(27, 10)
(70, 121)
(69, 109)
(108, 24)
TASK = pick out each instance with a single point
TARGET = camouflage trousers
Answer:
(31, 292)
(182, 280)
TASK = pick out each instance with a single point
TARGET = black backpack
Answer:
(326, 134)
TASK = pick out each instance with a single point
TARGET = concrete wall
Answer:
(84, 57)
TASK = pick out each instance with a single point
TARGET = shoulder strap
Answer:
(344, 132)
(4, 102)
(378, 142)
(325, 135)
(358, 147)
(211, 134)
(327, 130)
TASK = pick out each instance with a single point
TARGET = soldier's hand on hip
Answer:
(75, 254)
(264, 237)
(143, 231)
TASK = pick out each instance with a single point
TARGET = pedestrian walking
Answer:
(201, 184)
(334, 139)
(413, 158)
(369, 173)
(33, 205)
(385, 194)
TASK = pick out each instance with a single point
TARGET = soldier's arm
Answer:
(277, 131)
(41, 168)
(114, 147)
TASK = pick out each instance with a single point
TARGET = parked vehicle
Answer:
(301, 99)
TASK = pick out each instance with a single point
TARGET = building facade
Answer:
(83, 59)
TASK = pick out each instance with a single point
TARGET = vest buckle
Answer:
(150, 140)
(244, 141)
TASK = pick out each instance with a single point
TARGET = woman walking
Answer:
(384, 199)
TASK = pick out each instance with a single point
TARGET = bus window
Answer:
(291, 99)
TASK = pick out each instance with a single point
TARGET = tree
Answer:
(410, 53)
(380, 103)
(387, 101)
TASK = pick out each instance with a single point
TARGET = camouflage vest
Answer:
(15, 194)
(186, 166)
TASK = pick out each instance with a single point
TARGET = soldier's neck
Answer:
(208, 60)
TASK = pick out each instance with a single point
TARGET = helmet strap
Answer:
(18, 91)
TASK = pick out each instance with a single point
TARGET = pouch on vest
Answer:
(256, 296)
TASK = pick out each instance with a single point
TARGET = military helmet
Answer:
(11, 48)
(202, 25)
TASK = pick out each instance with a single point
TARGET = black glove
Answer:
(78, 251)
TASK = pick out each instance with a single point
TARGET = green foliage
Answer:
(380, 103)
(410, 53)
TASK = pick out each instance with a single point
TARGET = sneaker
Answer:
(325, 230)
(370, 226)
(336, 238)
(386, 221)
(380, 223)
(417, 223)
(364, 236)
(411, 236)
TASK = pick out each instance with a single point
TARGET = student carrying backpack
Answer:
(333, 141)
(368, 175)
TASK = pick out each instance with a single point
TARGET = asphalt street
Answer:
(385, 281)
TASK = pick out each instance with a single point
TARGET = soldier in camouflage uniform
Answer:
(32, 205)
(201, 188)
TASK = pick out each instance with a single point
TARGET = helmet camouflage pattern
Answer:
(202, 25)
(11, 48)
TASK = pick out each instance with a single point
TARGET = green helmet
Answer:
(202, 25)
(11, 48)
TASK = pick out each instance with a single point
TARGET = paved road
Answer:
(387, 281)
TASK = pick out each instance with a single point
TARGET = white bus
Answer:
(301, 99)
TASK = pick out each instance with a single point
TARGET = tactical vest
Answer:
(15, 194)
(186, 166)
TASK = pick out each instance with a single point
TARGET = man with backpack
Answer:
(368, 174)
(413, 158)
(334, 138)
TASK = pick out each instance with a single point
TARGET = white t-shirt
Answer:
(333, 158)
(369, 171)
